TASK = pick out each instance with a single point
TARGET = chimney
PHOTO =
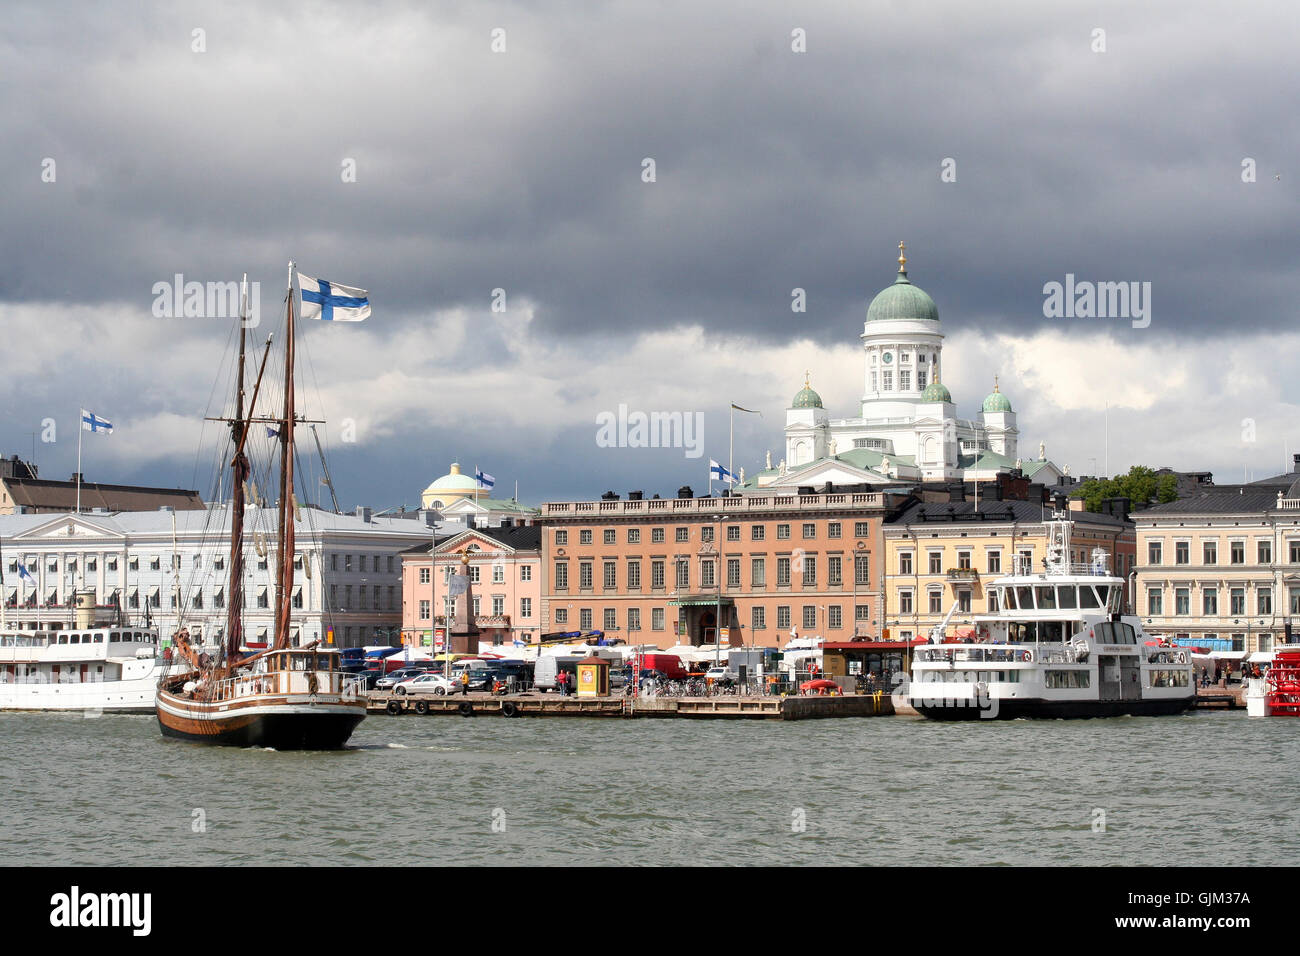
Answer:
(685, 492)
(635, 495)
(363, 513)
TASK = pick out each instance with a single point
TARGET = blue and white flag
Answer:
(484, 479)
(718, 473)
(90, 422)
(25, 574)
(322, 299)
(272, 432)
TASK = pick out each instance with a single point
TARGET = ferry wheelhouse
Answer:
(108, 669)
(1059, 645)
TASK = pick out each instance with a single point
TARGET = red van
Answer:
(670, 665)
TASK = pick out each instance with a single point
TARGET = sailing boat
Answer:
(288, 698)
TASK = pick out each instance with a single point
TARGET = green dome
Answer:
(807, 398)
(936, 392)
(997, 402)
(902, 300)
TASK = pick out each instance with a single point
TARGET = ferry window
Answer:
(1125, 634)
(1025, 598)
(1104, 634)
(1067, 596)
(1046, 597)
(1050, 631)
(63, 638)
(1115, 597)
(1088, 597)
(76, 639)
(115, 638)
(1007, 598)
(98, 638)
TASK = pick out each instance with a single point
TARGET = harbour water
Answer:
(1191, 790)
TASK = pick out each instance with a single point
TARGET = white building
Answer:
(907, 428)
(172, 566)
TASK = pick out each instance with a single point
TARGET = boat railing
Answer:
(1002, 653)
(279, 682)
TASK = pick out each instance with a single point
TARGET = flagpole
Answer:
(731, 447)
(80, 428)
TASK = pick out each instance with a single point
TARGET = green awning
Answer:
(700, 600)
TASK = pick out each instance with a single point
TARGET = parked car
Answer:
(426, 683)
(370, 676)
(390, 681)
(719, 675)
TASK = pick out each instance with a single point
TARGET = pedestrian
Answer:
(464, 683)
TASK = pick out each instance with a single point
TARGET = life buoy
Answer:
(466, 709)
(1182, 657)
(508, 709)
(1027, 656)
(421, 707)
(394, 707)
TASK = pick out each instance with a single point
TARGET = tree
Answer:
(1141, 485)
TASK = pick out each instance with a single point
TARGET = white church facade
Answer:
(907, 427)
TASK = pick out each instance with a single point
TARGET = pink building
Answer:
(505, 577)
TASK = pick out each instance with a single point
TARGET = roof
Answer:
(62, 496)
(1276, 481)
(902, 300)
(1221, 499)
(514, 537)
(1024, 512)
(212, 521)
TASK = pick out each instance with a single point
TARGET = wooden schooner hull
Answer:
(278, 722)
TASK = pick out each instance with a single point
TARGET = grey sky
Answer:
(522, 170)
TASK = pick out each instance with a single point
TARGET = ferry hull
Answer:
(278, 724)
(1051, 709)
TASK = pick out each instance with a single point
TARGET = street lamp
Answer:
(717, 570)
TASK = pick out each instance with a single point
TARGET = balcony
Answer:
(963, 574)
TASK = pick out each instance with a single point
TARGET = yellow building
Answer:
(940, 554)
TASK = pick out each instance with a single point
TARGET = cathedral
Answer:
(906, 428)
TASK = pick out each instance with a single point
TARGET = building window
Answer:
(1264, 601)
(634, 619)
(1182, 552)
(1294, 596)
(862, 612)
(633, 535)
(1209, 601)
(782, 572)
(756, 532)
(261, 598)
(733, 532)
(498, 572)
(634, 575)
(809, 530)
(608, 536)
(1237, 552)
(810, 616)
(684, 535)
(706, 534)
(219, 598)
(424, 575)
(993, 602)
(610, 619)
(920, 378)
(561, 575)
(834, 571)
(584, 619)
(904, 602)
(1155, 601)
(782, 532)
(706, 574)
(833, 529)
(936, 562)
(474, 573)
(733, 572)
(904, 380)
(1154, 552)
(905, 562)
(757, 573)
(756, 619)
(963, 601)
(936, 602)
(862, 570)
(585, 536)
(809, 571)
(561, 615)
(498, 605)
(887, 378)
(783, 617)
(657, 575)
(561, 537)
(1182, 601)
(526, 572)
(525, 607)
(425, 609)
(1237, 601)
(657, 535)
(861, 529)
(1265, 550)
(995, 562)
(1210, 552)
(963, 560)
(1294, 547)
(656, 619)
(683, 574)
(834, 616)
(611, 575)
(584, 575)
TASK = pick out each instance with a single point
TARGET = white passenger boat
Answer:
(1058, 646)
(93, 669)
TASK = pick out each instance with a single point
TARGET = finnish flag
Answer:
(484, 479)
(90, 422)
(322, 299)
(24, 574)
(718, 473)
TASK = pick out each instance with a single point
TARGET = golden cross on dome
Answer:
(806, 375)
(902, 256)
(995, 383)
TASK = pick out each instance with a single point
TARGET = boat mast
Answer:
(284, 558)
(241, 471)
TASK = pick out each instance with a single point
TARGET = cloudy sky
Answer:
(142, 141)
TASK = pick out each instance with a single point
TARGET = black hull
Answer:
(1056, 710)
(280, 731)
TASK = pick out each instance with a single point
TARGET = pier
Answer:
(699, 708)
(1219, 697)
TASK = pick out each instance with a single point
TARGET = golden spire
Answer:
(902, 257)
(806, 375)
(995, 385)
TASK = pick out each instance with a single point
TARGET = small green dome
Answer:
(807, 398)
(997, 402)
(936, 392)
(902, 300)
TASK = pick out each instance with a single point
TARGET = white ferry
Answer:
(1058, 646)
(93, 669)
